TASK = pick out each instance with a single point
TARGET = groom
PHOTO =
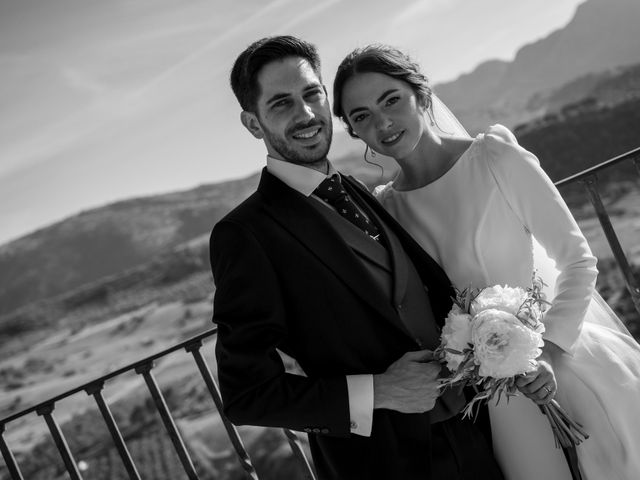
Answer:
(312, 266)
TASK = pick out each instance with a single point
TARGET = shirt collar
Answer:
(302, 179)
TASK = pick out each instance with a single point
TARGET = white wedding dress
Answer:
(478, 221)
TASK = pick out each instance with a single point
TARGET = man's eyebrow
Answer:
(276, 97)
(313, 86)
(280, 96)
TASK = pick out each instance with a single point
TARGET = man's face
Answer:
(293, 112)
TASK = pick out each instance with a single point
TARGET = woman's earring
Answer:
(373, 153)
(429, 111)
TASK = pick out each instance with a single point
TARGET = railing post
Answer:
(296, 447)
(95, 390)
(47, 412)
(9, 459)
(232, 432)
(167, 419)
(591, 184)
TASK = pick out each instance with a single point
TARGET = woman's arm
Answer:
(537, 202)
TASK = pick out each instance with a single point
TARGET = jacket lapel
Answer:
(399, 266)
(438, 285)
(293, 212)
(352, 235)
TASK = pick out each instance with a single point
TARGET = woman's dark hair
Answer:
(247, 67)
(383, 59)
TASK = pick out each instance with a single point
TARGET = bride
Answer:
(482, 207)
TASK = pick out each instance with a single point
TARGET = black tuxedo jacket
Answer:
(286, 280)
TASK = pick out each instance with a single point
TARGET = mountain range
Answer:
(572, 104)
(602, 35)
(134, 244)
(111, 239)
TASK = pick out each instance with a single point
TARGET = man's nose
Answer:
(304, 111)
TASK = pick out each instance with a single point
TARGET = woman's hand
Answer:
(540, 384)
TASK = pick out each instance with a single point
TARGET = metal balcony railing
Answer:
(144, 367)
(589, 178)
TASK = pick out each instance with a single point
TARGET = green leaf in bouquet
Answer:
(464, 297)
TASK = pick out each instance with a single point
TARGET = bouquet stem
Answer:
(567, 432)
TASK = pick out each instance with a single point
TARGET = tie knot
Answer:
(331, 189)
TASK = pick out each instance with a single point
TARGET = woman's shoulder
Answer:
(498, 138)
(502, 149)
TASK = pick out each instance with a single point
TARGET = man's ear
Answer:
(250, 122)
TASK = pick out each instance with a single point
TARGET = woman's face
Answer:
(384, 112)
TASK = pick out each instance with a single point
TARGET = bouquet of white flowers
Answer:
(490, 337)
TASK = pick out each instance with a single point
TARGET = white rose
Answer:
(507, 299)
(503, 346)
(456, 335)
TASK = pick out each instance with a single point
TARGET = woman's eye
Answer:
(393, 100)
(359, 118)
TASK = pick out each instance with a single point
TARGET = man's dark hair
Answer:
(244, 75)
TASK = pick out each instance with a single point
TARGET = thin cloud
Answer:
(319, 7)
(83, 81)
(107, 106)
(61, 135)
(220, 40)
(420, 8)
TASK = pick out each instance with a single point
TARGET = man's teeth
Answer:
(392, 138)
(308, 134)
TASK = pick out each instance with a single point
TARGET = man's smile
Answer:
(307, 133)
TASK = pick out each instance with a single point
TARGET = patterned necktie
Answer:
(332, 192)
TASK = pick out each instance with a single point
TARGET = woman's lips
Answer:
(392, 139)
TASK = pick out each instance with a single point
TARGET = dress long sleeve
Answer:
(536, 201)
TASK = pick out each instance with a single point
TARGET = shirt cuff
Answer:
(360, 388)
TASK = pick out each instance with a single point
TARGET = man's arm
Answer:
(251, 323)
(256, 390)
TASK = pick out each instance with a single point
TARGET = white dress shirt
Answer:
(360, 387)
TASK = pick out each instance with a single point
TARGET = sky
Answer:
(106, 100)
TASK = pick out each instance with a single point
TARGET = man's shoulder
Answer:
(247, 211)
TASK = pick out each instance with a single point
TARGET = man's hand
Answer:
(540, 385)
(410, 384)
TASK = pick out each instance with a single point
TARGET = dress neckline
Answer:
(443, 175)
